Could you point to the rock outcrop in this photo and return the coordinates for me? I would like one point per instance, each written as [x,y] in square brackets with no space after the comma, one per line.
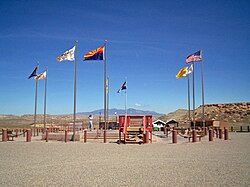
[231,112]
[234,113]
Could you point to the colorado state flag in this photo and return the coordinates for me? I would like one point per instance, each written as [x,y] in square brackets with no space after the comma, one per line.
[124,87]
[96,54]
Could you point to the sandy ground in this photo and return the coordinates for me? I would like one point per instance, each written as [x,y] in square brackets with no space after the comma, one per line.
[217,163]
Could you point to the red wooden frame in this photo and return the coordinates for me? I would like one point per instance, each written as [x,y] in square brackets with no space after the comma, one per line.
[132,121]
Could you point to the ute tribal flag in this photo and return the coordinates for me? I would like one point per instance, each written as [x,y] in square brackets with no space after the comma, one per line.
[41,76]
[184,72]
[96,54]
[68,55]
[34,73]
[196,57]
[124,87]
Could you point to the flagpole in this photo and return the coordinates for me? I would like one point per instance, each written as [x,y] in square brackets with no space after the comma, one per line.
[105,94]
[107,91]
[126,98]
[193,99]
[45,98]
[189,116]
[203,116]
[74,125]
[35,108]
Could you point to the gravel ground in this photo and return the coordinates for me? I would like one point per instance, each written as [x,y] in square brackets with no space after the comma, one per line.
[217,163]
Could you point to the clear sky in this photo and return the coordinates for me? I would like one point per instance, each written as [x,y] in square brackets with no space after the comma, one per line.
[148,41]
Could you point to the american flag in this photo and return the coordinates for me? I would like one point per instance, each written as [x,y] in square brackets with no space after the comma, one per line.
[196,57]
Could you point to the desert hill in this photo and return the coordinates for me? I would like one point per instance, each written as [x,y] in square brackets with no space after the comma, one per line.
[234,113]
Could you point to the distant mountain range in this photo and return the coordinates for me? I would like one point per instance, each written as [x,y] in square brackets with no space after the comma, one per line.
[113,111]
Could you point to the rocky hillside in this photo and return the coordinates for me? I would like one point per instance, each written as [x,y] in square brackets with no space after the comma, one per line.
[234,113]
[178,115]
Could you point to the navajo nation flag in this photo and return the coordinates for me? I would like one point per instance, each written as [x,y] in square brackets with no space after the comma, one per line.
[96,54]
[196,57]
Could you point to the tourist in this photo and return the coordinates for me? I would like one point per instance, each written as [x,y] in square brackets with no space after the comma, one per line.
[90,122]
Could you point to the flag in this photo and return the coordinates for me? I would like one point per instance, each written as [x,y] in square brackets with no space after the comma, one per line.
[190,69]
[196,57]
[96,54]
[182,73]
[41,76]
[124,87]
[107,86]
[68,55]
[34,73]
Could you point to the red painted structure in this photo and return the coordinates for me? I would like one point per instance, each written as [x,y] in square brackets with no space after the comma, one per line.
[66,136]
[225,134]
[142,123]
[211,134]
[4,135]
[104,136]
[28,137]
[174,136]
[194,135]
[220,133]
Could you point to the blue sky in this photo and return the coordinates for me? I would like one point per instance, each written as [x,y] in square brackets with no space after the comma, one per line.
[148,42]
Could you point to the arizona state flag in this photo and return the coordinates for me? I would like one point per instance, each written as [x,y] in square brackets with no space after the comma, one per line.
[96,54]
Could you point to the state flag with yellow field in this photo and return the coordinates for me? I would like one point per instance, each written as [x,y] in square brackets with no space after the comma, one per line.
[184,72]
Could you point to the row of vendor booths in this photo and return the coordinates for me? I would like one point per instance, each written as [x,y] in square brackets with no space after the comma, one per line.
[160,125]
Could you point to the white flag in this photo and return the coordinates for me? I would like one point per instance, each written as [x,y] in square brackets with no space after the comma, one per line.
[190,70]
[41,76]
[68,55]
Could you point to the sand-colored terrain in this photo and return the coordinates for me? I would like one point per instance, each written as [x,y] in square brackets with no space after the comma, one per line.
[217,163]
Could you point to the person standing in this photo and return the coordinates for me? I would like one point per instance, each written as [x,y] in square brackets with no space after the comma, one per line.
[90,122]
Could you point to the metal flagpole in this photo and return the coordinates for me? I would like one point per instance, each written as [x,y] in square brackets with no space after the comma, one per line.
[203,116]
[74,125]
[193,99]
[126,98]
[35,108]
[189,116]
[45,98]
[105,94]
